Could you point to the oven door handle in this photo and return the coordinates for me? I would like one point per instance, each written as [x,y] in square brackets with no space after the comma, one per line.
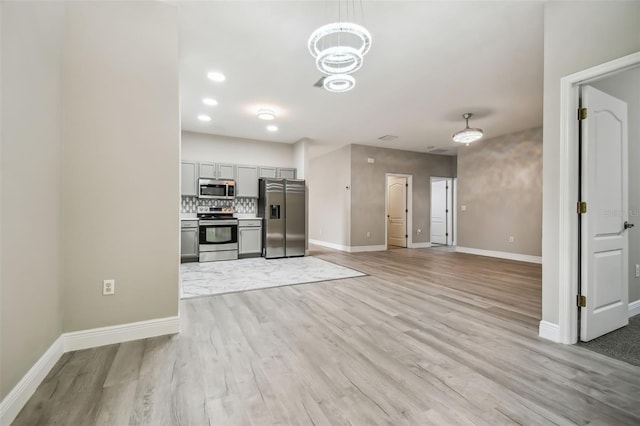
[218,222]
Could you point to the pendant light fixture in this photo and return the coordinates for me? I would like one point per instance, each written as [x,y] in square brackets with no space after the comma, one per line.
[339,49]
[468,134]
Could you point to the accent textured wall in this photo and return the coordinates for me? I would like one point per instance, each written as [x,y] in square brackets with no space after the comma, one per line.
[368,190]
[500,183]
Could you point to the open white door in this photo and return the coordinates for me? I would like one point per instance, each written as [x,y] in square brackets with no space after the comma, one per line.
[439,212]
[604,233]
[397,211]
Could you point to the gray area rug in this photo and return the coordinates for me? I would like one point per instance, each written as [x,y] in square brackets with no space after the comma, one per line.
[622,344]
[209,278]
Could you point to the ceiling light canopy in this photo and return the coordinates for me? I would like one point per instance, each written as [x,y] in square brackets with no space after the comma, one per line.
[266,114]
[339,49]
[204,117]
[209,101]
[216,76]
[468,134]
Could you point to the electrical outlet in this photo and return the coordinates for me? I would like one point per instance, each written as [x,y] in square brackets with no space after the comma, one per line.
[368,234]
[108,287]
[637,271]
[511,238]
[463,208]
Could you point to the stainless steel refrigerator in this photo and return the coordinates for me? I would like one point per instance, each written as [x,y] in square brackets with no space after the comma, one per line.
[282,206]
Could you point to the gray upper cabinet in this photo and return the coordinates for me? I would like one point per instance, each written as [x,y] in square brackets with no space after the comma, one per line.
[268,172]
[287,173]
[247,181]
[189,176]
[226,171]
[207,170]
[217,171]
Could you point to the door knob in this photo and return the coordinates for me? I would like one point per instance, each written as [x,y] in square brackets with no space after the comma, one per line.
[628,225]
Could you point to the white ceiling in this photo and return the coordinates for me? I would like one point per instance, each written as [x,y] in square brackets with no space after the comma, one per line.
[429,63]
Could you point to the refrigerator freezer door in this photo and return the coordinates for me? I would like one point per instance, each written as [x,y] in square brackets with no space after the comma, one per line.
[295,214]
[274,219]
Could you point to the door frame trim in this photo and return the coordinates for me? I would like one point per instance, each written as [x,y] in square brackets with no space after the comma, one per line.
[409,207]
[568,188]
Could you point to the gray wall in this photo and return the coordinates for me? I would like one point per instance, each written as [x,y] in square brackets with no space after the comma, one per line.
[329,199]
[626,86]
[75,185]
[368,183]
[121,163]
[607,30]
[500,183]
[30,313]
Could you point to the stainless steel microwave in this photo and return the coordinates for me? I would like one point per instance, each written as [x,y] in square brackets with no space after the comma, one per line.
[217,189]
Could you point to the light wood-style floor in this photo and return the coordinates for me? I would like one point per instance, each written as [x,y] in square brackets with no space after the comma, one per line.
[427,338]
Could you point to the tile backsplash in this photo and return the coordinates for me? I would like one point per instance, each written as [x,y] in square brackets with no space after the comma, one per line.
[242,205]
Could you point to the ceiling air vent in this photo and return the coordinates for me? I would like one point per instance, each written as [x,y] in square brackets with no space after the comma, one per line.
[387,138]
[438,151]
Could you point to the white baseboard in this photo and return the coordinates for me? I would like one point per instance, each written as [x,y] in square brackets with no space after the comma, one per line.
[20,394]
[634,308]
[359,249]
[348,249]
[95,337]
[84,339]
[549,331]
[329,245]
[500,254]
[420,245]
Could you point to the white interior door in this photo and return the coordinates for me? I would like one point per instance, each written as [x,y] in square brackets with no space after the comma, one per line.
[439,212]
[604,237]
[397,211]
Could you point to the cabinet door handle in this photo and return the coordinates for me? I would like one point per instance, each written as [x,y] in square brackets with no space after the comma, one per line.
[628,225]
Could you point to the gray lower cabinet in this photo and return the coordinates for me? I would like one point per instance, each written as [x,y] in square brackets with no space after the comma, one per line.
[249,238]
[188,241]
[247,181]
[189,178]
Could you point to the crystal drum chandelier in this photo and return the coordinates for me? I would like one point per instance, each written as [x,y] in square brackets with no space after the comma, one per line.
[468,134]
[339,49]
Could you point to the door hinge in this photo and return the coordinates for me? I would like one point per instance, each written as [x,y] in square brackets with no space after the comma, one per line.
[406,185]
[582,207]
[582,301]
[582,113]
[406,210]
[406,236]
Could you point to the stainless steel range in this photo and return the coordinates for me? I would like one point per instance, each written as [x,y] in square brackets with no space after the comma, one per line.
[218,232]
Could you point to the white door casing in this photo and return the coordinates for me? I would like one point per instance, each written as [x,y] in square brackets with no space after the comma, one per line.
[397,211]
[604,238]
[439,212]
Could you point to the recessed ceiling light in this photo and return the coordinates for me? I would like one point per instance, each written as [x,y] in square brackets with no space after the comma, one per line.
[209,101]
[266,114]
[216,76]
[272,128]
[204,117]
